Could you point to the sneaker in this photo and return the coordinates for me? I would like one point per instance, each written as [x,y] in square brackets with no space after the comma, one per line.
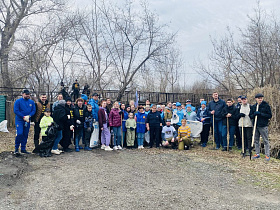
[103,146]
[115,148]
[119,147]
[267,158]
[25,152]
[256,156]
[80,147]
[77,149]
[139,147]
[142,147]
[55,152]
[87,149]
[16,153]
[107,148]
[60,151]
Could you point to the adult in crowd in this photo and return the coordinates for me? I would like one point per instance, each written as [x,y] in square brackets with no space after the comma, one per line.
[109,105]
[24,109]
[264,114]
[86,90]
[60,118]
[79,119]
[215,108]
[148,103]
[95,108]
[237,132]
[204,116]
[103,119]
[41,105]
[190,114]
[58,98]
[125,117]
[68,127]
[76,90]
[245,122]
[168,111]
[230,115]
[115,121]
[154,123]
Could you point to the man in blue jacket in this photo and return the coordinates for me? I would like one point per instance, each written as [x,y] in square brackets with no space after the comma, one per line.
[24,109]
[215,107]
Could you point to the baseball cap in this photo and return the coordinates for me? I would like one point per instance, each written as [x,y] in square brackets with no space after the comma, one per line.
[26,91]
[243,97]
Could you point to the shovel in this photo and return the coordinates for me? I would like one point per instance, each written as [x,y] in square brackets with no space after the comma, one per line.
[213,131]
[227,135]
[254,131]
[243,149]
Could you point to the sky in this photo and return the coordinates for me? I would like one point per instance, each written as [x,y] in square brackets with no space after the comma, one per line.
[196,20]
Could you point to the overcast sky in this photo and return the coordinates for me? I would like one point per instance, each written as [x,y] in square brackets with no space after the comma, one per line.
[197,20]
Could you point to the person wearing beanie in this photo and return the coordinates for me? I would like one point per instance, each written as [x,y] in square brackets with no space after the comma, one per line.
[203,115]
[68,127]
[79,119]
[190,114]
[178,113]
[85,98]
[263,116]
[24,109]
[215,108]
[60,117]
[95,108]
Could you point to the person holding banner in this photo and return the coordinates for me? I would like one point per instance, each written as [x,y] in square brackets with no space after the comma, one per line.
[263,114]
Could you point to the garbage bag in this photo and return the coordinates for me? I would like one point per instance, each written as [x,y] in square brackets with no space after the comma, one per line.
[3,126]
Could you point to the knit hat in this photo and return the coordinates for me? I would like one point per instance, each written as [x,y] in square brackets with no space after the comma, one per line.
[62,102]
[158,106]
[178,104]
[68,99]
[189,105]
[203,102]
[47,110]
[84,97]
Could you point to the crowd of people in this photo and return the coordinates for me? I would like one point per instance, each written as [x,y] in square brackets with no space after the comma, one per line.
[112,126]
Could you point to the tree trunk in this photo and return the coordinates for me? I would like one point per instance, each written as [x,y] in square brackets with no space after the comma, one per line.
[7,84]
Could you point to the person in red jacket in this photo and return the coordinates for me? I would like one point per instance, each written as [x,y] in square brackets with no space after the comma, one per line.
[115,121]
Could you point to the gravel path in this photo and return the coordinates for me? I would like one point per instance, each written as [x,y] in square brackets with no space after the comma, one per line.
[132,179]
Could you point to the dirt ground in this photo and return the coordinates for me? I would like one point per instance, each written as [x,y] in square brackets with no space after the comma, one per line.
[137,179]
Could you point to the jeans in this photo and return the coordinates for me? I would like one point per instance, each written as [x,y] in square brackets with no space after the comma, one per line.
[231,135]
[78,136]
[117,135]
[218,129]
[58,137]
[140,139]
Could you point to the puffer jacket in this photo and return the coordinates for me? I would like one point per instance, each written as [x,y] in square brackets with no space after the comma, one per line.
[141,122]
[265,115]
[115,118]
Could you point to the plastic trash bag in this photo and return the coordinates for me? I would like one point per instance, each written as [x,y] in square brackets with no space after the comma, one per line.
[3,126]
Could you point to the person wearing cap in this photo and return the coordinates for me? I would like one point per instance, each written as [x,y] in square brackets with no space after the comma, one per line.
[76,90]
[180,113]
[41,105]
[188,102]
[173,106]
[204,116]
[79,119]
[168,135]
[264,114]
[238,138]
[140,119]
[68,127]
[60,118]
[24,109]
[45,122]
[154,123]
[190,114]
[243,115]
[215,108]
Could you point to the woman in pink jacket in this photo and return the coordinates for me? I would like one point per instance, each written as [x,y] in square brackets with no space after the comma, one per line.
[115,121]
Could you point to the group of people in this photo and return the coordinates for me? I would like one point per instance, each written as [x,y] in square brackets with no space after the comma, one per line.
[115,125]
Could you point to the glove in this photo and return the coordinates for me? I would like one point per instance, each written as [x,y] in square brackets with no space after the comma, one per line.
[132,129]
[26,118]
[49,124]
[71,127]
[242,115]
[78,122]
[120,112]
[68,116]
[94,120]
[257,113]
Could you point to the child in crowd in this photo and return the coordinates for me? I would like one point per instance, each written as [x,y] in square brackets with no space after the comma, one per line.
[184,133]
[130,125]
[168,135]
[140,118]
[88,126]
[45,122]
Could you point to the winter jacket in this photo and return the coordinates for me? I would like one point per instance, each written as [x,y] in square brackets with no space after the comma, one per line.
[234,115]
[218,107]
[141,122]
[204,114]
[95,108]
[70,111]
[191,116]
[247,122]
[24,107]
[79,115]
[40,108]
[167,114]
[115,118]
[180,114]
[102,117]
[130,123]
[154,119]
[59,116]
[125,117]
[265,114]
[88,119]
[44,123]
